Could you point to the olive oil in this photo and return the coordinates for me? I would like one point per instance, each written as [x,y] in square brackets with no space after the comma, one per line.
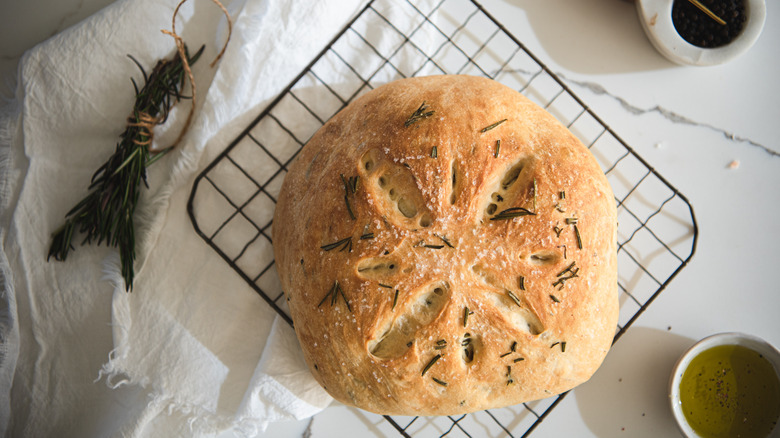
[730,391]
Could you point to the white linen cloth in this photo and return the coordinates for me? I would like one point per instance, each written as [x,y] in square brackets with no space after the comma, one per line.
[192,350]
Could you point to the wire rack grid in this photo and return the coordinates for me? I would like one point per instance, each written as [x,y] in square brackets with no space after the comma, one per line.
[232,201]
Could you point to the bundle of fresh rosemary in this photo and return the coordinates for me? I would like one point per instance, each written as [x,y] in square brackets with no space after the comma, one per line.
[105,215]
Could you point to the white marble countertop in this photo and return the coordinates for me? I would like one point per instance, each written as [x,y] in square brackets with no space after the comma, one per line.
[689,123]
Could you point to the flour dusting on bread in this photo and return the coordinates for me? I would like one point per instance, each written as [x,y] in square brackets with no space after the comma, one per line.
[447,246]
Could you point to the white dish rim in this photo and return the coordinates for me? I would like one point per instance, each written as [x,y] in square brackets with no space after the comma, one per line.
[656,19]
[729,338]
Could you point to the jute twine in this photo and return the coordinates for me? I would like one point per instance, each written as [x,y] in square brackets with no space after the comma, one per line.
[146,122]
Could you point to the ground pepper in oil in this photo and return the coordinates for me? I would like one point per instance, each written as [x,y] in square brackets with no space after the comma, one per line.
[730,391]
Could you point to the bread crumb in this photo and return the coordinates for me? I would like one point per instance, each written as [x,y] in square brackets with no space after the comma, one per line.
[734,164]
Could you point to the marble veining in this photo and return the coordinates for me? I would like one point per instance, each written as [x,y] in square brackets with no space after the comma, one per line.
[670,115]
[307,433]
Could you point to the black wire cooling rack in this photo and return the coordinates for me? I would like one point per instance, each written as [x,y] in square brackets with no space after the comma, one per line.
[232,201]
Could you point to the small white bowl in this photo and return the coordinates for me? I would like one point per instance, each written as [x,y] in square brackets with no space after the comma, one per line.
[754,343]
[656,19]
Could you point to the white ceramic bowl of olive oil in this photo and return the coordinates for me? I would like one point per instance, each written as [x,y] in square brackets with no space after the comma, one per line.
[657,21]
[727,385]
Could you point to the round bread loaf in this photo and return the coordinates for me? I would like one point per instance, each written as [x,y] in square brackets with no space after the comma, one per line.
[447,246]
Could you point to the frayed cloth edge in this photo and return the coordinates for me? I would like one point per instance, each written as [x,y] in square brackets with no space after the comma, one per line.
[199,420]
[10,121]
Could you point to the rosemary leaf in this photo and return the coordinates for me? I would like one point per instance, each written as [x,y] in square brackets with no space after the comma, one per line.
[341,291]
[579,239]
[568,269]
[511,213]
[350,187]
[440,382]
[419,114]
[334,245]
[106,214]
[349,208]
[367,236]
[335,294]
[489,127]
[554,298]
[353,183]
[498,148]
[444,239]
[330,292]
[466,313]
[514,298]
[430,364]
[564,251]
[561,280]
[434,152]
[346,184]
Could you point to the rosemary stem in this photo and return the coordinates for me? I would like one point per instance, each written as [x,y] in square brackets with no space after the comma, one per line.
[105,214]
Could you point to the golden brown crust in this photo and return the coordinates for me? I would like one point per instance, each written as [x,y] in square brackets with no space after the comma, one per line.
[425,300]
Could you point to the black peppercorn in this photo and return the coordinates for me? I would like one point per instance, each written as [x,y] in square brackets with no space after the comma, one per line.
[697,28]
